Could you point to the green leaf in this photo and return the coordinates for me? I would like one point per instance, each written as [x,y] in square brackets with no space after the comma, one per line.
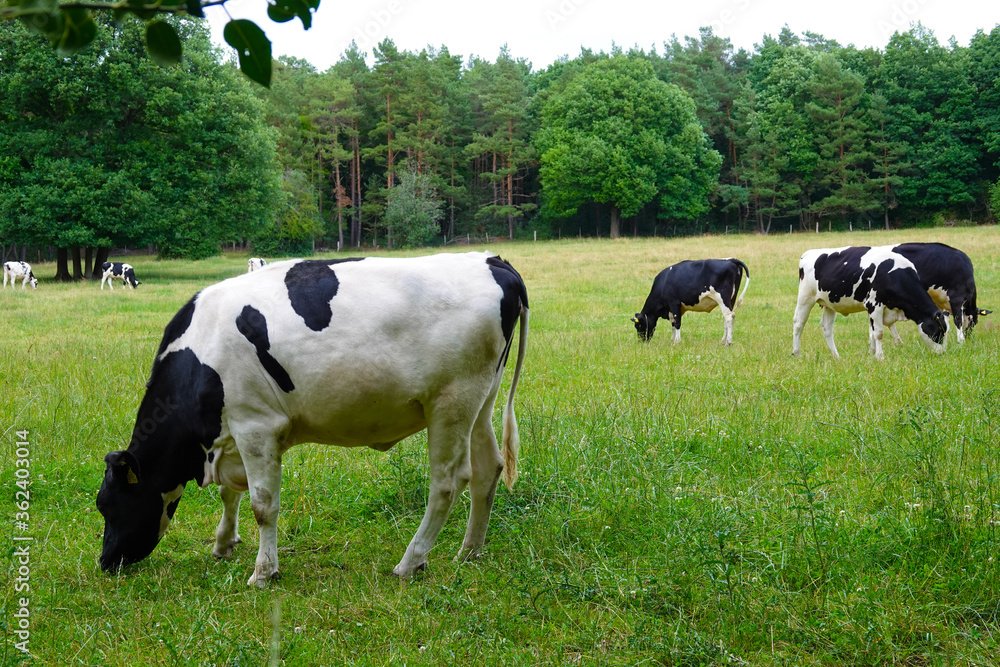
[163,44]
[39,16]
[43,23]
[78,30]
[285,10]
[253,48]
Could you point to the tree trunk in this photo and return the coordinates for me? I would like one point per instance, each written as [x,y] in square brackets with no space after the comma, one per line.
[615,222]
[77,265]
[886,219]
[510,205]
[340,208]
[99,259]
[88,266]
[62,266]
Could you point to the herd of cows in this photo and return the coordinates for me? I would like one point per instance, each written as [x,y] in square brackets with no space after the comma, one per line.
[111,271]
[923,282]
[366,352]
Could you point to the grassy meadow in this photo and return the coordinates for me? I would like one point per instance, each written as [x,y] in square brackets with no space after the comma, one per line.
[678,504]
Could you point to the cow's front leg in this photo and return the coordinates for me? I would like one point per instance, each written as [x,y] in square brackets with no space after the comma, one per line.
[448,448]
[675,324]
[226,535]
[875,321]
[262,463]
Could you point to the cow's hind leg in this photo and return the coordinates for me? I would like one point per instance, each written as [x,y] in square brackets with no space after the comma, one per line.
[802,310]
[486,468]
[448,434]
[728,317]
[262,462]
[826,324]
[226,535]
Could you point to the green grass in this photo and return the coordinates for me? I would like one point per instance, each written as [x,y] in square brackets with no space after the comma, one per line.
[678,505]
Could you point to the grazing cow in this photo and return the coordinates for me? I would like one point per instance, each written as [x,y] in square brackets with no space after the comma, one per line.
[946,274]
[361,352]
[255,263]
[878,280]
[695,285]
[118,271]
[19,271]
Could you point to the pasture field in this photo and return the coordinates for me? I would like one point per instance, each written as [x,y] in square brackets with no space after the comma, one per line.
[677,505]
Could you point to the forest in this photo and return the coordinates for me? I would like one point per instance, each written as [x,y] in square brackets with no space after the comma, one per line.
[395,148]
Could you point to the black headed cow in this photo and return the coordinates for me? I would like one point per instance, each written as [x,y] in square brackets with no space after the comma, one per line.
[343,352]
[118,271]
[874,279]
[946,273]
[693,285]
[19,271]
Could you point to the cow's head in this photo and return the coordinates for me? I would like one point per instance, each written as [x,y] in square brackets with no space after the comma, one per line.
[644,325]
[33,281]
[972,319]
[135,513]
[934,329]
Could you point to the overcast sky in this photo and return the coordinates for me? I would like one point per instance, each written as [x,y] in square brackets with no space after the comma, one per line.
[541,31]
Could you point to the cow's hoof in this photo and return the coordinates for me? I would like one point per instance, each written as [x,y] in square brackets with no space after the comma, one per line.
[467,554]
[262,580]
[401,572]
[225,549]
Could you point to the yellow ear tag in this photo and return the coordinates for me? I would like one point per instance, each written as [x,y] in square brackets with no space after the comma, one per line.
[132,479]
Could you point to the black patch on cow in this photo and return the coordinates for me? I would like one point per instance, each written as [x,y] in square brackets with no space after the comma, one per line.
[177,326]
[179,417]
[252,324]
[866,283]
[312,284]
[514,294]
[837,273]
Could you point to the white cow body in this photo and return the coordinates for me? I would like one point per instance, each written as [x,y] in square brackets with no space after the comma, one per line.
[404,345]
[118,271]
[19,271]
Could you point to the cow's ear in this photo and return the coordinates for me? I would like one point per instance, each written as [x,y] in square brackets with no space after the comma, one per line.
[123,466]
[984,312]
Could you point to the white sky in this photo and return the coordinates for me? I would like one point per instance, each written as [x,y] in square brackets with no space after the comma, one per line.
[543,30]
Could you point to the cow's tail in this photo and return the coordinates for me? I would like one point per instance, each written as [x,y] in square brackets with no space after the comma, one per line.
[739,300]
[511,442]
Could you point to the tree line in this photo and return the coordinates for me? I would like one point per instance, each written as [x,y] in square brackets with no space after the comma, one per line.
[105,148]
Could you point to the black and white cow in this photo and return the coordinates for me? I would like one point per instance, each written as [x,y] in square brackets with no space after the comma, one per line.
[361,352]
[874,279]
[693,285]
[946,273]
[255,263]
[118,271]
[19,271]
